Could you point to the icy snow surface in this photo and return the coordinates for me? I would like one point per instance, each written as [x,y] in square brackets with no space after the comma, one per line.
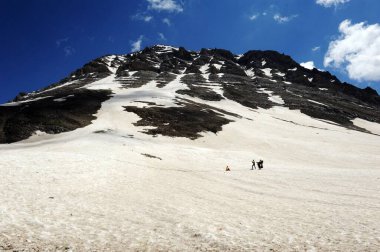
[218,66]
[317,102]
[10,104]
[250,73]
[88,191]
[267,72]
[274,98]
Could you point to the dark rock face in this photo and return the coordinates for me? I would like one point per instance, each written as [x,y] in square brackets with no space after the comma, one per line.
[20,96]
[96,69]
[219,54]
[183,54]
[273,60]
[73,111]
[245,79]
[189,120]
[198,88]
[245,91]
[164,78]
[320,79]
[95,66]
[139,79]
[231,68]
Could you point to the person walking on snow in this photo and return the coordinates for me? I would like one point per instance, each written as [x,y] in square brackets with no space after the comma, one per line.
[253,164]
[260,164]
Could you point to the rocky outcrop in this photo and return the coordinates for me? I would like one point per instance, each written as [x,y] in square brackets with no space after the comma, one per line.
[188,120]
[63,113]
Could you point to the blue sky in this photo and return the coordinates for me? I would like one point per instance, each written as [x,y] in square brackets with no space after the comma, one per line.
[42,41]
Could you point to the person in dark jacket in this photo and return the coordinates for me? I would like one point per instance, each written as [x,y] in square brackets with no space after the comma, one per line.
[253,165]
[260,164]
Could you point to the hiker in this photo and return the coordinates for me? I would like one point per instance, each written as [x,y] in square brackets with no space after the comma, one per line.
[227,168]
[253,165]
[260,164]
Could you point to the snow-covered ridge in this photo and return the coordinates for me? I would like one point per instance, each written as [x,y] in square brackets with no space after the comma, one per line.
[212,75]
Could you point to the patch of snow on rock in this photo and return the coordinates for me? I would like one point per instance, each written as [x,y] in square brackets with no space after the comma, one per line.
[217,66]
[250,73]
[204,68]
[267,72]
[273,98]
[11,104]
[317,102]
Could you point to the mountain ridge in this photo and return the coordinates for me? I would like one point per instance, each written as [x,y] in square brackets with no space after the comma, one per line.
[251,79]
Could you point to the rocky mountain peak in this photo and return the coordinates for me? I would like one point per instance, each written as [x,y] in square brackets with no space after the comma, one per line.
[191,81]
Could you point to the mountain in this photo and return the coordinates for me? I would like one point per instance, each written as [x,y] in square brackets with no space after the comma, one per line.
[256,79]
[129,153]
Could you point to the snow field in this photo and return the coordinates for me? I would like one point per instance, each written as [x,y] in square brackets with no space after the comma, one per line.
[85,191]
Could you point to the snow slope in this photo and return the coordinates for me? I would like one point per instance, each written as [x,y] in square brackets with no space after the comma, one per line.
[110,187]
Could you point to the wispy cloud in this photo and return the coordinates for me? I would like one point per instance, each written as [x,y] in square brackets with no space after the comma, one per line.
[167,21]
[161,36]
[254,17]
[142,17]
[136,45]
[165,5]
[272,12]
[68,50]
[329,3]
[61,41]
[283,19]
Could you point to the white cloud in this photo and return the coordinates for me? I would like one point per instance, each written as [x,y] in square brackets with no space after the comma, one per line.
[167,21]
[148,18]
[329,3]
[357,50]
[283,19]
[136,45]
[254,17]
[308,65]
[165,5]
[145,18]
[161,36]
[317,48]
